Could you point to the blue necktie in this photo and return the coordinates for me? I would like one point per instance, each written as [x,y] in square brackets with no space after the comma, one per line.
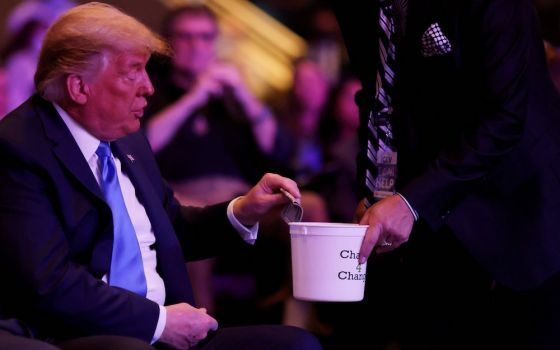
[127,270]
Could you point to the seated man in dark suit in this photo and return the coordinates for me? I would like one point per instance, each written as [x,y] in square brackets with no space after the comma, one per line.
[92,241]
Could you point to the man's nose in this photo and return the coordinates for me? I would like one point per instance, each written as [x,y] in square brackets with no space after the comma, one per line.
[147,87]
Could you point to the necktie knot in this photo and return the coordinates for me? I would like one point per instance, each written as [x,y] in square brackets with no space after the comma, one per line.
[104,150]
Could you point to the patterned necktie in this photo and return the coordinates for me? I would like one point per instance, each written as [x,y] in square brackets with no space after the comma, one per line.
[381,170]
[127,270]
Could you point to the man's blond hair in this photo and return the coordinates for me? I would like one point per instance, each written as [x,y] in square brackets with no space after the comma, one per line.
[78,41]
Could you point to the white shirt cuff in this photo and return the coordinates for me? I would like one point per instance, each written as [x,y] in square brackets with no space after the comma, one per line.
[414,212]
[248,234]
[160,323]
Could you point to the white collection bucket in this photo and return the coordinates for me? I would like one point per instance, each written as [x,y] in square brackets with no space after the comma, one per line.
[325,261]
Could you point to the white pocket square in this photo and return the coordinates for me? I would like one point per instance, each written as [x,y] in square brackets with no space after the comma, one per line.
[434,42]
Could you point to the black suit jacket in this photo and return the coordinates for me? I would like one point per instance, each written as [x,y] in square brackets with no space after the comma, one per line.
[56,232]
[477,130]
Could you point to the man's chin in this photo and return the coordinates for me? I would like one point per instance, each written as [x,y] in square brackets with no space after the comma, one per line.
[134,127]
[130,128]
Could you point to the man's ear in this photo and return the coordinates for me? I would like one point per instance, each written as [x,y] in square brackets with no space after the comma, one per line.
[77,88]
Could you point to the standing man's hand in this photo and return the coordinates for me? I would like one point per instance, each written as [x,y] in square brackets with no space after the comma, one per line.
[264,196]
[186,325]
[390,223]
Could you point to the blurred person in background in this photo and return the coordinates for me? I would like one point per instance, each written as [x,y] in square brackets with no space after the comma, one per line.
[337,180]
[26,26]
[213,138]
[324,42]
[304,109]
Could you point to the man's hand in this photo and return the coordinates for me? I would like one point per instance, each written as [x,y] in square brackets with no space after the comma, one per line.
[207,86]
[229,78]
[186,325]
[389,220]
[217,77]
[264,196]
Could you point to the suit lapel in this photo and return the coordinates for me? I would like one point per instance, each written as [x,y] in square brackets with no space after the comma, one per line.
[71,158]
[143,187]
[65,147]
[168,249]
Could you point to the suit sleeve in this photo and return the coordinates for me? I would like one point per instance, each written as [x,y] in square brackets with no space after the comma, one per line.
[204,232]
[496,54]
[201,232]
[47,287]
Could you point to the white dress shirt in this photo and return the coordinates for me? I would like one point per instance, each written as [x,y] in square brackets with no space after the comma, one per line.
[88,144]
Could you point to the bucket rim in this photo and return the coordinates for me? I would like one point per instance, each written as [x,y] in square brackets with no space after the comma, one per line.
[326,229]
[326,224]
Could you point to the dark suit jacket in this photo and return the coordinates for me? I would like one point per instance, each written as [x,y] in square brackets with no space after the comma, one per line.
[477,130]
[56,232]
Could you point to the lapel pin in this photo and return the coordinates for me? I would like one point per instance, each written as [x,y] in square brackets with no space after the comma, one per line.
[130,157]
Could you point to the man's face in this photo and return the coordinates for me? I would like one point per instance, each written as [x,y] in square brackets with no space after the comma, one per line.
[310,85]
[117,96]
[193,39]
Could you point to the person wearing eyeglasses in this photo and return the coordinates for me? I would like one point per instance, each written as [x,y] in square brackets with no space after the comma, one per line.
[202,103]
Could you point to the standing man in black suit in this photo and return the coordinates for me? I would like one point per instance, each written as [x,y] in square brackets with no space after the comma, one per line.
[474,129]
[78,180]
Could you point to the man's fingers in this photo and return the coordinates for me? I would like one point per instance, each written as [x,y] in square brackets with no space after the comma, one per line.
[370,240]
[381,248]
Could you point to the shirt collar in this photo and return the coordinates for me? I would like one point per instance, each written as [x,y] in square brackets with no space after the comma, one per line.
[87,143]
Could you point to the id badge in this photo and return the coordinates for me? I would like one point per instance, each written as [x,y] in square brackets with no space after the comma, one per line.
[386,174]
